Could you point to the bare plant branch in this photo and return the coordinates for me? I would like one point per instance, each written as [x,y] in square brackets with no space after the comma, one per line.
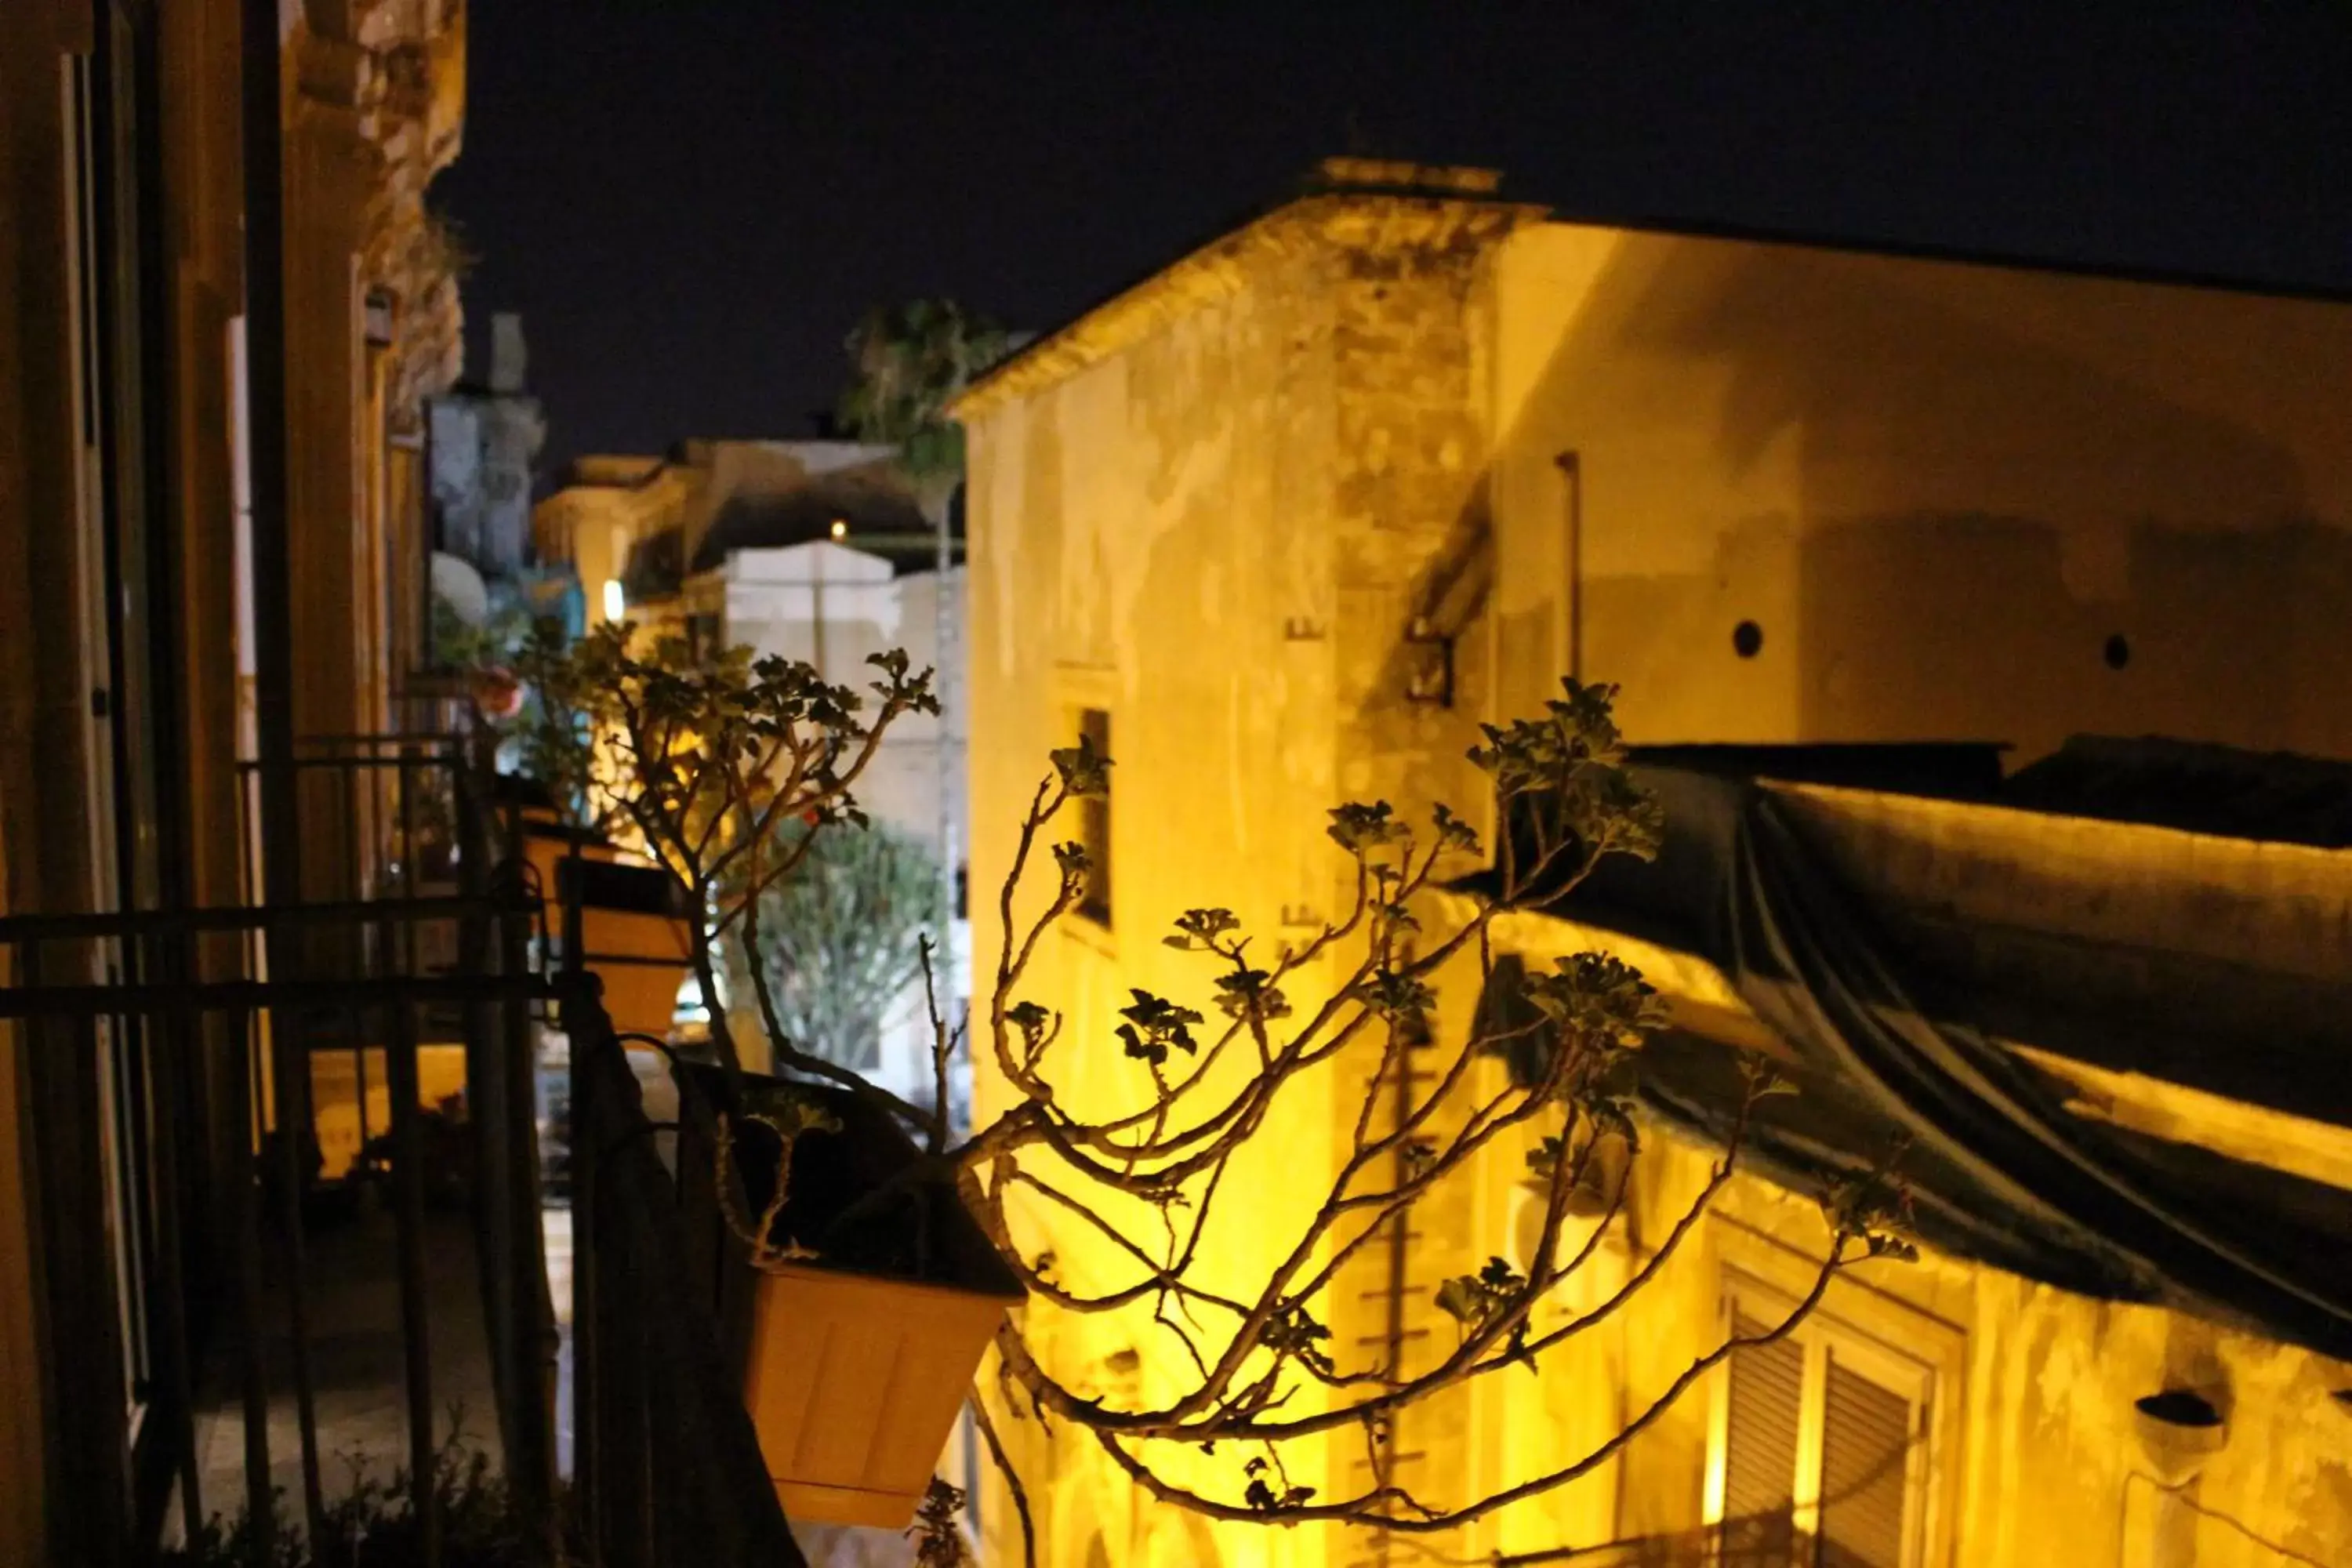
[711,766]
[1012,1477]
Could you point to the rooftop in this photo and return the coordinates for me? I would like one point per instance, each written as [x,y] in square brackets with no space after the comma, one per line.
[1121,316]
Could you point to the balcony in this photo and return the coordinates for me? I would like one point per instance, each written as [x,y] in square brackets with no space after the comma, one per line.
[320,1220]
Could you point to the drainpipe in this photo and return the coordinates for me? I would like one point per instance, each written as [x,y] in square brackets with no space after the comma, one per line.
[942,634]
[1571,468]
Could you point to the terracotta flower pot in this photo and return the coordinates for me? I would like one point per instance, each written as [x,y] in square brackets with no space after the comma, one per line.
[857,1363]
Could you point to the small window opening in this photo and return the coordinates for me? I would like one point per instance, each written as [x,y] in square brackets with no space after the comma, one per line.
[1094,824]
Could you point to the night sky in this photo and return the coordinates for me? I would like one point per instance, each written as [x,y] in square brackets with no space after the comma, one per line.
[692,201]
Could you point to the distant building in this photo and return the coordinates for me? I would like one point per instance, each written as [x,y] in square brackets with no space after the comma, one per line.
[484,442]
[1286,521]
[814,551]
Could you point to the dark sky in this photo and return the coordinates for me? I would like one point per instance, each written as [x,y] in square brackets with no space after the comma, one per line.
[691,201]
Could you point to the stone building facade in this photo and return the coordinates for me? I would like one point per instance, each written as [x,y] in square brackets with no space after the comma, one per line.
[126,669]
[1289,520]
[484,440]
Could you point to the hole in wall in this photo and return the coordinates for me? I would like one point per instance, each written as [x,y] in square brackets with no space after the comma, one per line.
[2117,652]
[1747,639]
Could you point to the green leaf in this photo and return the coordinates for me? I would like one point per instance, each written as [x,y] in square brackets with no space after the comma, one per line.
[1360,828]
[1461,1300]
[1084,771]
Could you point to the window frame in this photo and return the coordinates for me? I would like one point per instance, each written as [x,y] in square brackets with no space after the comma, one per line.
[1077,689]
[1098,826]
[1898,1346]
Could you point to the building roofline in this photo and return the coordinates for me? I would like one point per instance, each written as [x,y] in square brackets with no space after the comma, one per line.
[1204,270]
[1961,256]
[1121,316]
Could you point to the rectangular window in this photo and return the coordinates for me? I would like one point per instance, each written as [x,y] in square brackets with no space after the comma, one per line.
[1094,824]
[703,637]
[1760,1448]
[1821,1445]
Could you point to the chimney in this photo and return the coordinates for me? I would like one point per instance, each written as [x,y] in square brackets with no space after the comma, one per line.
[506,351]
[1390,176]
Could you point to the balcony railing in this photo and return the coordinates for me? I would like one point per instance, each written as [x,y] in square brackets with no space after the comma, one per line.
[668,1467]
[178,1049]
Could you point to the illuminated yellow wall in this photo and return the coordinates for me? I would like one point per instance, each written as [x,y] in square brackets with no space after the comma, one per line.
[2031,1450]
[1937,489]
[1215,507]
[1213,537]
[2036,1462]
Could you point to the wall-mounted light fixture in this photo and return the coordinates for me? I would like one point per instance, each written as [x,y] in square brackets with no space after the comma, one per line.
[840,529]
[2178,1430]
[616,600]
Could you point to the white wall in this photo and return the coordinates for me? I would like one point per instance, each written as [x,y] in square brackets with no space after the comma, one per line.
[833,606]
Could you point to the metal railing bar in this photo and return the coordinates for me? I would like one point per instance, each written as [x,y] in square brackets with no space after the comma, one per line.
[288,1058]
[381,737]
[531,1440]
[579,1012]
[215,996]
[129,923]
[176,1065]
[252,1322]
[408,1214]
[369,760]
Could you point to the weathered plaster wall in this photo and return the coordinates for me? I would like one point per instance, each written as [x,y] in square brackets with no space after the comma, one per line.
[2048,1463]
[1222,534]
[835,607]
[2033,1454]
[1937,489]
[1153,536]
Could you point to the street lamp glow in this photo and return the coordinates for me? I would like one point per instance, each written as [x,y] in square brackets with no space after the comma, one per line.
[616,604]
[840,529]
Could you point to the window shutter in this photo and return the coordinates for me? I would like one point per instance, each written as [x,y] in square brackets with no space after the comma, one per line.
[1761,1449]
[1865,1442]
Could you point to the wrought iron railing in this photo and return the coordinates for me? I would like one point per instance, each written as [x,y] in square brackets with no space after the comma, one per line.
[179,1046]
[668,1468]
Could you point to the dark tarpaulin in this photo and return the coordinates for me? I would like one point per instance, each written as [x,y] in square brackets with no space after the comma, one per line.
[1998,1170]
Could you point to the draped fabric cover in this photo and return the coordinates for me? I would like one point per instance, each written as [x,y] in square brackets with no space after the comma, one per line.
[1996,1168]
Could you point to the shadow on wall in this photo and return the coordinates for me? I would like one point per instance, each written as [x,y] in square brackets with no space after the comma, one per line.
[1965,628]
[1927,525]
